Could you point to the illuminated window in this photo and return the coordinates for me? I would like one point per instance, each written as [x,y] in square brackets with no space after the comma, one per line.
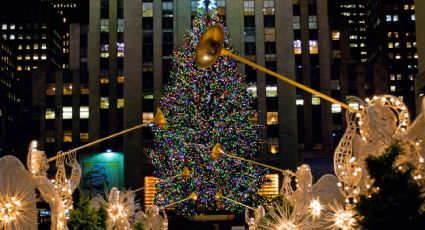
[50,136]
[314,49]
[12,37]
[120,103]
[297,47]
[67,89]
[336,108]
[147,9]
[335,35]
[35,46]
[104,103]
[19,57]
[413,17]
[104,55]
[84,137]
[392,77]
[248,7]
[67,112]
[43,46]
[406,7]
[408,44]
[67,136]
[19,68]
[50,114]
[299,101]
[268,7]
[35,57]
[27,57]
[50,89]
[271,91]
[104,25]
[390,45]
[120,79]
[395,18]
[397,44]
[312,22]
[273,146]
[147,117]
[412,7]
[272,118]
[84,112]
[43,57]
[269,34]
[296,22]
[392,88]
[104,81]
[315,100]
[388,18]
[19,47]
[398,56]
[84,89]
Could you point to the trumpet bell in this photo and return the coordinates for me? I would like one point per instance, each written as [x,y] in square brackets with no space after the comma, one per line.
[159,118]
[217,152]
[209,46]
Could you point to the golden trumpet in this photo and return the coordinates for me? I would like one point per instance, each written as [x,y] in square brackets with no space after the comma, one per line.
[210,47]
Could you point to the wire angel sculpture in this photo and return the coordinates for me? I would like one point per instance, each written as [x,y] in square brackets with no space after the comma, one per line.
[17,196]
[254,219]
[152,219]
[121,209]
[379,122]
[57,192]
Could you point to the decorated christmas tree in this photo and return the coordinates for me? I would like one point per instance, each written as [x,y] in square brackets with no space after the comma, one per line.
[204,107]
[397,200]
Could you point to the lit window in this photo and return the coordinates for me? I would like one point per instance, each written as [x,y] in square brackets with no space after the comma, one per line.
[390,45]
[413,17]
[67,112]
[19,68]
[147,9]
[273,145]
[147,117]
[67,89]
[314,49]
[104,25]
[35,46]
[120,103]
[84,89]
[395,18]
[104,103]
[389,34]
[335,35]
[268,7]
[312,22]
[297,47]
[408,44]
[336,108]
[299,101]
[269,34]
[392,77]
[315,100]
[104,55]
[392,88]
[27,57]
[406,7]
[43,57]
[388,18]
[4,26]
[84,112]
[120,79]
[84,137]
[248,7]
[43,46]
[50,89]
[398,77]
[67,136]
[104,81]
[397,56]
[397,44]
[272,118]
[12,26]
[19,47]
[12,37]
[35,57]
[50,114]
[296,22]
[412,7]
[19,57]
[271,91]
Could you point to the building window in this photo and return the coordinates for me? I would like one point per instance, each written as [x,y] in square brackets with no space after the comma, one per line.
[147,117]
[50,136]
[248,7]
[104,103]
[67,112]
[273,146]
[120,79]
[395,18]
[67,136]
[297,47]
[336,108]
[84,89]
[120,27]
[43,46]
[252,89]
[335,35]
[299,101]
[147,9]
[392,88]
[314,48]
[296,22]
[269,34]
[272,118]
[312,22]
[388,18]
[315,100]
[50,89]
[84,137]
[50,114]
[271,91]
[67,89]
[104,25]
[120,103]
[413,17]
[84,112]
